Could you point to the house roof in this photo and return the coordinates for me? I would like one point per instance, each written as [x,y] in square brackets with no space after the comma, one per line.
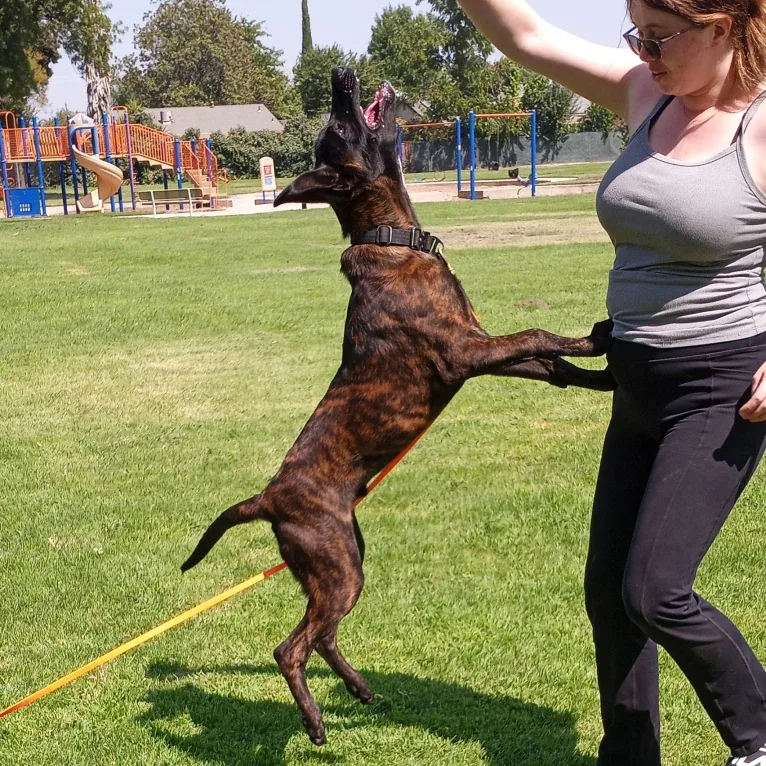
[208,119]
[580,105]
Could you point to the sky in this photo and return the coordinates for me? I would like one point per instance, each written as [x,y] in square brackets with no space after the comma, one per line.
[345,22]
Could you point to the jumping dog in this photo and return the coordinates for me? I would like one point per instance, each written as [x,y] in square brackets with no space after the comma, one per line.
[411,340]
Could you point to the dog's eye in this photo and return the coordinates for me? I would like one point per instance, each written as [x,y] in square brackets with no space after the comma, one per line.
[340,129]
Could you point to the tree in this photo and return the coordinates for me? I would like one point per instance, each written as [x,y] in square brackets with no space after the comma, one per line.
[466,51]
[598,119]
[308,43]
[313,81]
[31,32]
[553,102]
[196,52]
[496,88]
[407,50]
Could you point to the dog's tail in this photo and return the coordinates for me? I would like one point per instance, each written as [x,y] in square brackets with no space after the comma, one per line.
[241,513]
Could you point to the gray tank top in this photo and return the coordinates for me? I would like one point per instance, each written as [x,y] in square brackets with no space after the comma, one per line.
[689,243]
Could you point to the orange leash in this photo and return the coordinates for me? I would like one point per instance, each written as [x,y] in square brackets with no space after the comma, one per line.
[189,614]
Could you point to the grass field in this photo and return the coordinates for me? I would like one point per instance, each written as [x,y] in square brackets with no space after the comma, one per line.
[153,372]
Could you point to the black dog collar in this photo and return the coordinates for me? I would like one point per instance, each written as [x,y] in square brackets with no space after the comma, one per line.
[416,239]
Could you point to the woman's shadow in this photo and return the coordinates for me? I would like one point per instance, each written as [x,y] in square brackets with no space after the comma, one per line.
[230,731]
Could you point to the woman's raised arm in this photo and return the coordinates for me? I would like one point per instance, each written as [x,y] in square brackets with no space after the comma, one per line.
[598,73]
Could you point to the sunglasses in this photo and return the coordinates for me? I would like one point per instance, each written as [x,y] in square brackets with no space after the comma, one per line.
[652,46]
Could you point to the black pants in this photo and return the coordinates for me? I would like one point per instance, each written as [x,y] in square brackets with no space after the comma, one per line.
[676,458]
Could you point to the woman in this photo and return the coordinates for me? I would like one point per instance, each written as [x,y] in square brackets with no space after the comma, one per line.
[685,206]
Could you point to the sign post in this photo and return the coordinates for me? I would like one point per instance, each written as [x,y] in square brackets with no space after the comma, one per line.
[268,178]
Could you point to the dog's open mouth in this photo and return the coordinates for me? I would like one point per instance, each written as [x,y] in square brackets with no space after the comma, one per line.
[375,112]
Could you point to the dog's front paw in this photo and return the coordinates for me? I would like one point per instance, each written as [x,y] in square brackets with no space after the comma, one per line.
[601,337]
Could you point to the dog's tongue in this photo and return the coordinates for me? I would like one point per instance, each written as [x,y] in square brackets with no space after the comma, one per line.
[373,113]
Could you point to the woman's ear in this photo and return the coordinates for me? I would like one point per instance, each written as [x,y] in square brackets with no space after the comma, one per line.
[721,29]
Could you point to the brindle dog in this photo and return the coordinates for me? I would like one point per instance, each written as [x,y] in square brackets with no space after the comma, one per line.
[411,341]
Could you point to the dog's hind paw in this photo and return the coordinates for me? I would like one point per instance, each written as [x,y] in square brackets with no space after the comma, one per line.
[317,735]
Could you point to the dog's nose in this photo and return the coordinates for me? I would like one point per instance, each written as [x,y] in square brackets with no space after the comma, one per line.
[348,80]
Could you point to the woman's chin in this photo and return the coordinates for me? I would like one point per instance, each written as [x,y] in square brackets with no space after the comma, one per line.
[664,82]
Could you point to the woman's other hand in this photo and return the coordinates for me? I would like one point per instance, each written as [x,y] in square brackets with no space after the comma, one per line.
[754,409]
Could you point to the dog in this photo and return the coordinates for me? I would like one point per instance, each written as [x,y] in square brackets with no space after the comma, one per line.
[411,341]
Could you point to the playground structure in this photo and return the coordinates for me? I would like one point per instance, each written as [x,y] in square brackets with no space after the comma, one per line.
[94,148]
[405,153]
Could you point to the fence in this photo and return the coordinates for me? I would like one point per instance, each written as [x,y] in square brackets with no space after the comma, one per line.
[438,156]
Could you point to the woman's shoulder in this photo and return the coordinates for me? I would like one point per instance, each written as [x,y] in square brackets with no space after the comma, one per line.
[754,142]
[643,96]
[757,118]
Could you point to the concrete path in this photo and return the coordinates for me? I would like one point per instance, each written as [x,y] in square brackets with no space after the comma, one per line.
[245,204]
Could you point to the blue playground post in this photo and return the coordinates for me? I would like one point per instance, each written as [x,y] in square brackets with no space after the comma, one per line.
[533,171]
[39,157]
[209,145]
[209,155]
[165,184]
[459,142]
[84,174]
[472,151]
[209,171]
[70,134]
[131,174]
[107,152]
[62,172]
[119,191]
[179,173]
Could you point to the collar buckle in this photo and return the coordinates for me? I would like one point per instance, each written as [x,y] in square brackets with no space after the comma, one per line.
[388,231]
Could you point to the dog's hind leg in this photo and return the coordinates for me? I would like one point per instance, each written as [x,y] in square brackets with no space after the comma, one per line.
[328,649]
[328,564]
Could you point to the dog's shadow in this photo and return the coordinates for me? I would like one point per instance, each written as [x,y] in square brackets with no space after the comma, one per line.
[228,730]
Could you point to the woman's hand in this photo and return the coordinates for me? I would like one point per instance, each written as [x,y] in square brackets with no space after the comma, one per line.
[754,409]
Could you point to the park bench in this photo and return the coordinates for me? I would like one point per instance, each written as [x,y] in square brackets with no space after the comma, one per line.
[190,196]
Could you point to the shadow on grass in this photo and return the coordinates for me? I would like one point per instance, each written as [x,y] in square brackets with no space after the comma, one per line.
[230,731]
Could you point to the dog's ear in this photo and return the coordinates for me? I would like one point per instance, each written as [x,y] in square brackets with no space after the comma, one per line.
[315,186]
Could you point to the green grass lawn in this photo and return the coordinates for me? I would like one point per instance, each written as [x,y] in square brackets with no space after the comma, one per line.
[153,372]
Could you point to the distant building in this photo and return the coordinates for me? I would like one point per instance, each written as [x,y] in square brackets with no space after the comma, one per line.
[579,108]
[209,119]
[411,112]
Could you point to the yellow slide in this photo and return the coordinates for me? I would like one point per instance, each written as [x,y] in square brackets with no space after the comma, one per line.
[109,179]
